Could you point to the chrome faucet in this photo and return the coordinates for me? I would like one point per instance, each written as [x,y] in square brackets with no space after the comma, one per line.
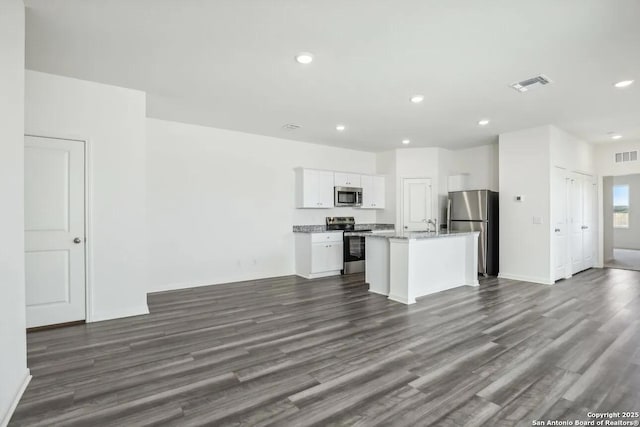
[433,222]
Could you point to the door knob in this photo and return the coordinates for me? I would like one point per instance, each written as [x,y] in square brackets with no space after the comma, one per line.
[77,240]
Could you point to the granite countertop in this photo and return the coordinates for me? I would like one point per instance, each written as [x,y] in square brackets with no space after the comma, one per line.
[323,228]
[417,235]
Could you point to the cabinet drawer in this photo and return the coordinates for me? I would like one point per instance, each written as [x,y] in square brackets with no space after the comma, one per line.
[326,237]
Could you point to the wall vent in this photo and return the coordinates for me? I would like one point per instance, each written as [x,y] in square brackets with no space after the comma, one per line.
[525,85]
[626,156]
[291,126]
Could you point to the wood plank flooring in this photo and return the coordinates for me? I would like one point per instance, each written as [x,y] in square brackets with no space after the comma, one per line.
[294,352]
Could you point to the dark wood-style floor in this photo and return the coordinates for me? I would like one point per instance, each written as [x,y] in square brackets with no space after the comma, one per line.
[293,352]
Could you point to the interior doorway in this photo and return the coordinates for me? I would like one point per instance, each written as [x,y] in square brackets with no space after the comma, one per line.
[54,219]
[416,204]
[621,196]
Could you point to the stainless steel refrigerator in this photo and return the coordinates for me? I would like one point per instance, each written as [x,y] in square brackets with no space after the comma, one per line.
[477,210]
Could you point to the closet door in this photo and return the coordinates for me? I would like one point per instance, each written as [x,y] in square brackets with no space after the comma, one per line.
[576,197]
[560,230]
[588,222]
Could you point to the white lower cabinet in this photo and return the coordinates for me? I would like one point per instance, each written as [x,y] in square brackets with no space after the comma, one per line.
[318,254]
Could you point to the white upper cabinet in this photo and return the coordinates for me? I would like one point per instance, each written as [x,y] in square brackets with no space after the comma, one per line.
[346,179]
[373,191]
[314,188]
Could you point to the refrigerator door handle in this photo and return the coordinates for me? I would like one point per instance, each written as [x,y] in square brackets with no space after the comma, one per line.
[448,215]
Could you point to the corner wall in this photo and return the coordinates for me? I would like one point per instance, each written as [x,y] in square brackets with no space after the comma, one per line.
[221,203]
[14,374]
[112,120]
[525,171]
[606,166]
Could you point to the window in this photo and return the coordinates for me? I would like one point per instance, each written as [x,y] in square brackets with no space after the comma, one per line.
[621,206]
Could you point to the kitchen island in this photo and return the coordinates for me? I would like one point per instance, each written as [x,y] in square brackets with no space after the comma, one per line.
[405,266]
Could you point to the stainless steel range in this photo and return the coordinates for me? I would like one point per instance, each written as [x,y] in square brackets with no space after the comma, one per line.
[354,250]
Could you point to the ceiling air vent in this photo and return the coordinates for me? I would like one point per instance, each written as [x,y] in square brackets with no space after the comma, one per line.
[626,156]
[291,126]
[525,85]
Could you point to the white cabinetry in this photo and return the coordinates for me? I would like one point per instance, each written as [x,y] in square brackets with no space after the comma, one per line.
[373,191]
[318,254]
[314,188]
[346,179]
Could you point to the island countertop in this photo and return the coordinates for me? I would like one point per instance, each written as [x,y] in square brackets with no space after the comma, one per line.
[411,235]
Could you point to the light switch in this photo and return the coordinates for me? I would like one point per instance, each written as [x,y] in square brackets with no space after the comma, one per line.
[537,220]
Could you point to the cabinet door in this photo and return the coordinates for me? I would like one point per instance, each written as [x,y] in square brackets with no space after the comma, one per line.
[317,189]
[319,260]
[373,191]
[368,192]
[325,189]
[346,179]
[326,257]
[334,256]
[310,185]
[379,192]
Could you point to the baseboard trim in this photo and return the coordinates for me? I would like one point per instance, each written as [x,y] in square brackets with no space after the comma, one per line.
[16,399]
[531,279]
[118,314]
[378,293]
[401,300]
[319,275]
[168,287]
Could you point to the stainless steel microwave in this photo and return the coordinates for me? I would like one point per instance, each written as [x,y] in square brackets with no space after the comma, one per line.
[348,196]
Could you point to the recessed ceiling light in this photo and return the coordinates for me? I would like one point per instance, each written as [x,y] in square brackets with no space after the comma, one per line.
[616,136]
[483,122]
[417,99]
[304,58]
[406,141]
[340,128]
[623,84]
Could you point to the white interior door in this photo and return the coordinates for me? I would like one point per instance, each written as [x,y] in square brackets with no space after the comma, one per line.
[54,230]
[588,232]
[559,223]
[416,203]
[576,222]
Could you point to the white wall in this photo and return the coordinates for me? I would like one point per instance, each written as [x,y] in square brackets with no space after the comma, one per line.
[480,163]
[113,121]
[605,160]
[524,170]
[386,165]
[13,350]
[527,158]
[418,163]
[606,166]
[221,203]
[607,216]
[571,153]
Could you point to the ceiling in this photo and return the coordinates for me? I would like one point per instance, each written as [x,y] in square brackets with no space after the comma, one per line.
[230,64]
